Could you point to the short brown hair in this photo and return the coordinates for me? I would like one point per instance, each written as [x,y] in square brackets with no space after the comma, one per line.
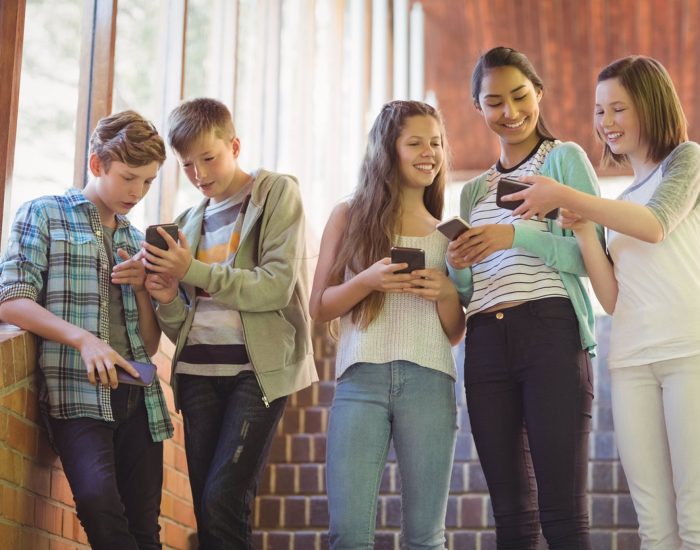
[126,137]
[662,123]
[194,118]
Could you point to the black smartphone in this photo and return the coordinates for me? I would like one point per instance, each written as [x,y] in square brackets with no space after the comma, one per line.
[506,186]
[146,370]
[414,257]
[453,227]
[156,239]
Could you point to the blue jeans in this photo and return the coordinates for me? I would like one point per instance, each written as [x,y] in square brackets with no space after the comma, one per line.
[374,404]
[115,471]
[228,432]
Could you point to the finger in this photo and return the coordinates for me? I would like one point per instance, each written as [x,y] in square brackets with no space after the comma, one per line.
[124,364]
[123,254]
[102,373]
[111,374]
[393,268]
[91,373]
[167,238]
[183,240]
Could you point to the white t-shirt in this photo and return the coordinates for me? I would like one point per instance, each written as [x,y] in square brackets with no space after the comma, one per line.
[657,314]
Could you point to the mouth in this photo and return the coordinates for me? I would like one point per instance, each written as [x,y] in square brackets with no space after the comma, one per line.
[426,168]
[613,137]
[515,125]
[128,205]
[205,186]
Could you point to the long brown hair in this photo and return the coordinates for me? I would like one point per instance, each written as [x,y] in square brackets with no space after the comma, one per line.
[500,56]
[662,123]
[375,209]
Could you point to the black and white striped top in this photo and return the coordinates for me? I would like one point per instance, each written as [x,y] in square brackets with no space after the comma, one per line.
[511,275]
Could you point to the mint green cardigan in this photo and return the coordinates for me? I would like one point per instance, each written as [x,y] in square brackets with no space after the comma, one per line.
[568,164]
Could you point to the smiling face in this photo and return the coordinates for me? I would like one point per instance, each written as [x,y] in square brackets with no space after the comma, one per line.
[419,150]
[509,103]
[211,165]
[617,121]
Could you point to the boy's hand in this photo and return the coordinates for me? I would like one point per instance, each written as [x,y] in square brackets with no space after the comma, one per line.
[174,261]
[162,287]
[129,272]
[101,361]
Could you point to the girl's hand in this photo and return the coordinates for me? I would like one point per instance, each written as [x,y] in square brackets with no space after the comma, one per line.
[381,276]
[478,243]
[432,285]
[162,287]
[571,220]
[174,261]
[541,197]
[130,271]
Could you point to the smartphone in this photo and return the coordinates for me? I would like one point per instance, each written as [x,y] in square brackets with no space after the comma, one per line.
[414,257]
[506,186]
[156,239]
[146,370]
[453,227]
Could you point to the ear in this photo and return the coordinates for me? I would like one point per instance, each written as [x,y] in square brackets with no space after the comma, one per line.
[236,147]
[540,93]
[95,165]
[477,105]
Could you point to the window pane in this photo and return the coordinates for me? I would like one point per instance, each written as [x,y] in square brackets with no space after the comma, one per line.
[48,100]
[138,75]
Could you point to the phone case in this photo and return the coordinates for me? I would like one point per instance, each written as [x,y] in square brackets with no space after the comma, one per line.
[414,257]
[156,239]
[506,186]
[453,227]
[146,370]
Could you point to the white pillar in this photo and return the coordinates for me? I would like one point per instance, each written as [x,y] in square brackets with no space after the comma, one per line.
[417,53]
[378,84]
[400,84]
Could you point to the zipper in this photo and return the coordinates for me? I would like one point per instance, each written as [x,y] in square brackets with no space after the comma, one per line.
[255,372]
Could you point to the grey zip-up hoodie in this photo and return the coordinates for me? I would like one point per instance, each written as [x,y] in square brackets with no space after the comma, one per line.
[267,283]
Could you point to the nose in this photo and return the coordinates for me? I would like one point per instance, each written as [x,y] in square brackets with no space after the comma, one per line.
[607,118]
[510,110]
[199,172]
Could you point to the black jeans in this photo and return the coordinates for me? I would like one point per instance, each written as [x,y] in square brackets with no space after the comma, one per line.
[115,471]
[529,394]
[228,432]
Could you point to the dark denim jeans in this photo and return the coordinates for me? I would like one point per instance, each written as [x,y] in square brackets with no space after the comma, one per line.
[115,471]
[228,432]
[529,394]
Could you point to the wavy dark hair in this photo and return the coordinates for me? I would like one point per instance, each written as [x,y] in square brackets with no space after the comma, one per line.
[662,122]
[374,215]
[501,56]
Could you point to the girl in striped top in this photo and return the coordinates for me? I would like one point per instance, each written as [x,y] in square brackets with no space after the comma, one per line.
[530,323]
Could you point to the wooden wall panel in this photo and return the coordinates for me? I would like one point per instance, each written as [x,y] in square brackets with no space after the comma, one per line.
[568,41]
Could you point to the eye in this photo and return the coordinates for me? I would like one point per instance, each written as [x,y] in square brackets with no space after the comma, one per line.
[520,98]
[128,178]
[599,113]
[619,109]
[494,104]
[186,165]
[209,158]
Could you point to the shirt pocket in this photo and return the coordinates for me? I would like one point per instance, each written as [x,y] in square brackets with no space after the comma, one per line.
[74,261]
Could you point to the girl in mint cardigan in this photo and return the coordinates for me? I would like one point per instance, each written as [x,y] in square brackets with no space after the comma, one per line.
[529,322]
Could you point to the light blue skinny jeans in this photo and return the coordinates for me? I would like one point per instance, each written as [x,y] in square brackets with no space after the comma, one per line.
[374,404]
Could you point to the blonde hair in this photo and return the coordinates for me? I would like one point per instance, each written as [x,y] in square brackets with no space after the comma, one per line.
[662,123]
[374,210]
[126,137]
[195,118]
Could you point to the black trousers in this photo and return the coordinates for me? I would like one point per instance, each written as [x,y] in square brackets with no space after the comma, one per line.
[529,394]
[115,471]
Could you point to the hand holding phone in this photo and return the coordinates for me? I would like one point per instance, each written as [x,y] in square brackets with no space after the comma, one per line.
[157,240]
[507,186]
[453,227]
[146,370]
[414,257]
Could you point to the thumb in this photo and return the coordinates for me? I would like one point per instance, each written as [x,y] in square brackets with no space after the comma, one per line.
[123,254]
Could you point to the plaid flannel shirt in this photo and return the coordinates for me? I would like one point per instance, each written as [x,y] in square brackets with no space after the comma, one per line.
[56,257]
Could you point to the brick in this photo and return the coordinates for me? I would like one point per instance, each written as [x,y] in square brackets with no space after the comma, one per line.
[600,477]
[386,541]
[34,541]
[472,512]
[326,390]
[602,507]
[279,541]
[60,490]
[11,465]
[319,447]
[17,505]
[291,422]
[305,540]
[477,480]
[48,516]
[463,448]
[628,541]
[175,536]
[278,450]
[487,540]
[602,540]
[458,482]
[32,409]
[301,448]
[311,481]
[318,512]
[388,482]
[183,513]
[10,535]
[22,435]
[391,516]
[603,447]
[15,401]
[268,511]
[315,420]
[462,540]
[37,478]
[622,485]
[305,397]
[452,515]
[296,512]
[286,479]
[626,516]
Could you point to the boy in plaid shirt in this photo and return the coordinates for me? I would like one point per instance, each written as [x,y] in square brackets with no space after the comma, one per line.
[72,275]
